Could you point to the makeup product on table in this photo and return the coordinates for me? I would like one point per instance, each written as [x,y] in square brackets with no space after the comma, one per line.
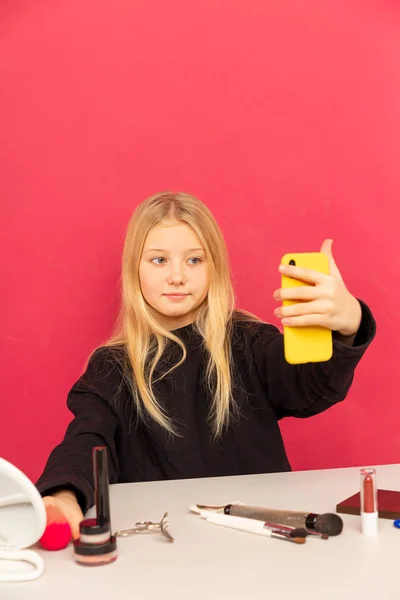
[292,531]
[388,504]
[148,526]
[93,533]
[101,492]
[329,523]
[304,532]
[369,509]
[95,554]
[251,526]
[96,545]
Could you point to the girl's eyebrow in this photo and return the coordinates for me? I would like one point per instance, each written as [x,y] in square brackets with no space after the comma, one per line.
[163,250]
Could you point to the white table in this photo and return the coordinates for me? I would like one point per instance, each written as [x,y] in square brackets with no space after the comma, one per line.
[211,562]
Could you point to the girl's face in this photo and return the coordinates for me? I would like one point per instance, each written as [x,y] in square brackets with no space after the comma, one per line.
[173,273]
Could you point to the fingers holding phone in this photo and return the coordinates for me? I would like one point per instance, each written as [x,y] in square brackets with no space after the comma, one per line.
[315,302]
[302,294]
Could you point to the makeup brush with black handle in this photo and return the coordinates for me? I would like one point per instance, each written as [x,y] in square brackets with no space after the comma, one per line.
[328,523]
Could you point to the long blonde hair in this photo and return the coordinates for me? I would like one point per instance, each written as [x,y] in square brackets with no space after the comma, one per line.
[145,340]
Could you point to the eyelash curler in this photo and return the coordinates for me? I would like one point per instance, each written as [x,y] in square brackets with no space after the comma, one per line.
[146,527]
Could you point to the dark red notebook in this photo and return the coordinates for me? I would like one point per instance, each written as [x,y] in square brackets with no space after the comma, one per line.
[388,505]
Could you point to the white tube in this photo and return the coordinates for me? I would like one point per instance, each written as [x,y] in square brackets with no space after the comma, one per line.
[240,523]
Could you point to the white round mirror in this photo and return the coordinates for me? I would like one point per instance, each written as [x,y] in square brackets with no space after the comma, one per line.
[22,523]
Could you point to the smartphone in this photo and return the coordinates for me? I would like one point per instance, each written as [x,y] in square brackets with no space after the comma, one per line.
[312,343]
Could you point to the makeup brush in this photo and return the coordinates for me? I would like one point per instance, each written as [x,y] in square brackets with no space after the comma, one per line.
[301,531]
[328,524]
[251,526]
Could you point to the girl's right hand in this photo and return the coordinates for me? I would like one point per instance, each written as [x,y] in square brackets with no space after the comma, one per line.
[65,501]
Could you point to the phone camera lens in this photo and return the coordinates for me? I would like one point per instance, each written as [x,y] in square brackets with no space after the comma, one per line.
[292,262]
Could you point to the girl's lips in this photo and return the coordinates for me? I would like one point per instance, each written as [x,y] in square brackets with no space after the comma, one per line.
[176,296]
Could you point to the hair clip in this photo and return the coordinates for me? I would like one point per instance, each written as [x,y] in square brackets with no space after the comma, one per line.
[148,526]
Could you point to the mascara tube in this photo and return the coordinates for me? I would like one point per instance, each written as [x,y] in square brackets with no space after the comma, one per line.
[100,474]
[96,545]
[369,502]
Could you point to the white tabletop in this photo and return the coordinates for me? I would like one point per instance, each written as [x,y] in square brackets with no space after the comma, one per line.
[211,562]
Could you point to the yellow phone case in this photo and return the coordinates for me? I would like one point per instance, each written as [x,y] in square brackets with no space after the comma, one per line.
[306,344]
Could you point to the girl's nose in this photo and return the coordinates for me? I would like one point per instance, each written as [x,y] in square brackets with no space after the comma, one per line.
[176,276]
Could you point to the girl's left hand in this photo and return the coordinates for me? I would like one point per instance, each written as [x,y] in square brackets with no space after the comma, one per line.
[326,302]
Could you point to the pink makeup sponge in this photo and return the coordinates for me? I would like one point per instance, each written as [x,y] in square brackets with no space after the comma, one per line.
[57,534]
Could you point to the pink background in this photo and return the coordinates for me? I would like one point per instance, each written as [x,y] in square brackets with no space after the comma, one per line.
[282,116]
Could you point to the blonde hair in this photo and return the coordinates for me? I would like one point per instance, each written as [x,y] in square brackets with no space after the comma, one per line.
[142,336]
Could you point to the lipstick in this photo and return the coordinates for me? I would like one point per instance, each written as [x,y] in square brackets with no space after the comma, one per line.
[369,502]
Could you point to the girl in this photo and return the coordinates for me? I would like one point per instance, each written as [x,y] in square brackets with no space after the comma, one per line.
[189,386]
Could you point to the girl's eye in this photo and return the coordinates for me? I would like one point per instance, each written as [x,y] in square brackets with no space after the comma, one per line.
[157,259]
